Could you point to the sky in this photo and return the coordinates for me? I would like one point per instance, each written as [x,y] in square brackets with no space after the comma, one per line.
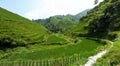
[40,9]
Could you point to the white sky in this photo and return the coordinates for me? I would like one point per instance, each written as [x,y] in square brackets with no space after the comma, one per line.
[38,9]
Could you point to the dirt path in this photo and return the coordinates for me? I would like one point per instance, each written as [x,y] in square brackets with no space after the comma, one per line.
[93,59]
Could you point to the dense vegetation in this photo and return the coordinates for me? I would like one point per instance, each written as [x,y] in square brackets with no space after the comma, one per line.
[99,22]
[61,23]
[58,24]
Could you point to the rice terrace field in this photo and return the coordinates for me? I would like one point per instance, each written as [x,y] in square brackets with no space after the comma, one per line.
[53,55]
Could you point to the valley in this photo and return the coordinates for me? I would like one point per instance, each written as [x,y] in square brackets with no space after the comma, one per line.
[89,38]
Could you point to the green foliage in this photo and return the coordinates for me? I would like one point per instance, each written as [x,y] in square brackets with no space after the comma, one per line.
[58,24]
[100,21]
[107,22]
[9,42]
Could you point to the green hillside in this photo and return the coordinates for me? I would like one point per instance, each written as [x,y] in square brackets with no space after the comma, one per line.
[16,30]
[58,23]
[102,22]
[61,23]
[93,14]
[81,14]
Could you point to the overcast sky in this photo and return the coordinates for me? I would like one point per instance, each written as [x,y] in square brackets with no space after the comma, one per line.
[35,9]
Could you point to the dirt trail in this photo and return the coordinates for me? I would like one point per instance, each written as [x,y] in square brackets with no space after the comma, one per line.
[93,59]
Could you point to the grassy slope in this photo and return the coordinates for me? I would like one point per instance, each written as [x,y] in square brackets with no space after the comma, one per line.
[19,29]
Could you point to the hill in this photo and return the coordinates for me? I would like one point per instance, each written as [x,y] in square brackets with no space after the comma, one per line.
[19,31]
[99,21]
[102,22]
[81,14]
[58,23]
[61,23]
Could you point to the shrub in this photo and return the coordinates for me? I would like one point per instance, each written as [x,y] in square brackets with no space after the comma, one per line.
[8,41]
[112,36]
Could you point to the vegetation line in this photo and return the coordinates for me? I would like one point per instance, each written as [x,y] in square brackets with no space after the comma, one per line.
[93,59]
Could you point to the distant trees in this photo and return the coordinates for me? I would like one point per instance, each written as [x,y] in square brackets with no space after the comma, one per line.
[59,23]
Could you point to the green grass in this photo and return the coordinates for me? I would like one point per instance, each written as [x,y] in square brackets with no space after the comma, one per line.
[83,47]
[56,39]
[19,30]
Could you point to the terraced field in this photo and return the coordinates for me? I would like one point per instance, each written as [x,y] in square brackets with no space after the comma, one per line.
[82,49]
[17,30]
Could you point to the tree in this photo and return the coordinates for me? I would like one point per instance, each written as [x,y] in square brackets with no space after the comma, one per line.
[96,1]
